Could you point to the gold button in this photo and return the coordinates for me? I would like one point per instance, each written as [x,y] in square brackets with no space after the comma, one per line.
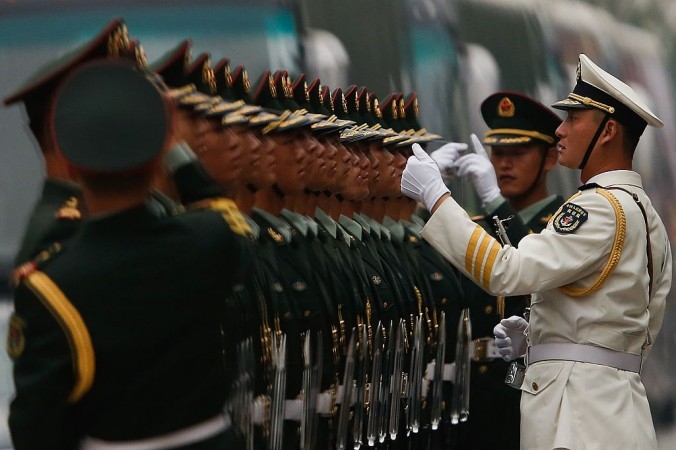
[488,309]
[306,313]
[483,369]
[443,301]
[535,386]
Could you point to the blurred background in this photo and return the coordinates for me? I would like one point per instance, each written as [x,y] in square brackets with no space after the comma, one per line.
[452,53]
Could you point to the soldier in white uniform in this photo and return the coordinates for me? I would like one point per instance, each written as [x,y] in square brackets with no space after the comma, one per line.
[599,273]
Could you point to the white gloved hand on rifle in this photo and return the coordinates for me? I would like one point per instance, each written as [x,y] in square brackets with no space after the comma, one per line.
[510,337]
[479,169]
[421,179]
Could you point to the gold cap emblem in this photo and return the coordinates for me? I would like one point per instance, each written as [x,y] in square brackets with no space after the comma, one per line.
[506,108]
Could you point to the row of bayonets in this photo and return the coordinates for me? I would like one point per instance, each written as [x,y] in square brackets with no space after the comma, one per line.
[374,390]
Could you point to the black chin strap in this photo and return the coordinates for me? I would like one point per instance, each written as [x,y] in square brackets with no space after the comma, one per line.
[593,141]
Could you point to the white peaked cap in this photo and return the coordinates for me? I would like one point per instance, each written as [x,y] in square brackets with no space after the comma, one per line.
[596,88]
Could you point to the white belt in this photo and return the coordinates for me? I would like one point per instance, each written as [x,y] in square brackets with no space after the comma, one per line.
[186,436]
[448,373]
[293,408]
[586,354]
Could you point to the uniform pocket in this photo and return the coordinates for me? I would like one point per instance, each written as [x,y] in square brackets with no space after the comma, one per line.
[541,375]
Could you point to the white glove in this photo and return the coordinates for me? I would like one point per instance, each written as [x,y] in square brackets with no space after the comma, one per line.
[446,156]
[480,170]
[421,179]
[510,337]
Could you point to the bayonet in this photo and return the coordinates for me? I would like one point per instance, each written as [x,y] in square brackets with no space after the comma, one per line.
[346,399]
[415,379]
[460,399]
[278,391]
[376,382]
[437,384]
[384,393]
[500,229]
[395,389]
[362,379]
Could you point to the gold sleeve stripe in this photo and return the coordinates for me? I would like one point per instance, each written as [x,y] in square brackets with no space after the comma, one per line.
[490,261]
[481,254]
[229,211]
[618,244]
[471,247]
[74,328]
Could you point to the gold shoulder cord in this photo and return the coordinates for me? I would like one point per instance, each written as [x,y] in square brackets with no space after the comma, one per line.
[70,320]
[618,244]
[229,211]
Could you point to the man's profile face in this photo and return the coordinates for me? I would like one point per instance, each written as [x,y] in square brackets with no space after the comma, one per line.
[575,133]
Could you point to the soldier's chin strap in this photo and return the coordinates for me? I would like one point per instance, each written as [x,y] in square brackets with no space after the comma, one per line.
[593,141]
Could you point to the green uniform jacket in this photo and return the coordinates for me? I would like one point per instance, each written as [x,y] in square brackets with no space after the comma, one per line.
[118,335]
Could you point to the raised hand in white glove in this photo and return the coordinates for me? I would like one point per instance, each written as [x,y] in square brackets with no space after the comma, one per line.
[510,337]
[480,170]
[446,156]
[421,179]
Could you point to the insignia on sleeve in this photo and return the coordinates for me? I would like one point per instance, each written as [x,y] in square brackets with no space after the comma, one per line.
[570,218]
[15,337]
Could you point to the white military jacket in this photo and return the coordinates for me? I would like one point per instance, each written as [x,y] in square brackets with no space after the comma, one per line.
[588,272]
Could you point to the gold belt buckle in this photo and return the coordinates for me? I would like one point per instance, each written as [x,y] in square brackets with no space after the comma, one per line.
[481,349]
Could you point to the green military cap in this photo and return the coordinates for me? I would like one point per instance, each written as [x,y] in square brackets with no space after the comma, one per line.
[340,104]
[234,118]
[316,98]
[327,99]
[187,97]
[266,93]
[241,85]
[286,121]
[109,117]
[112,42]
[412,111]
[376,113]
[301,93]
[596,88]
[217,107]
[202,75]
[411,115]
[223,76]
[172,66]
[392,114]
[352,101]
[284,88]
[262,119]
[516,119]
[331,124]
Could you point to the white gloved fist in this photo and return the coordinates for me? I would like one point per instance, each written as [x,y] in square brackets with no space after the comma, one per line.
[510,337]
[480,170]
[421,179]
[446,156]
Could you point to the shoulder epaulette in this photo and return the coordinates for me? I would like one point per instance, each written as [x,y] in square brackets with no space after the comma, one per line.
[69,210]
[25,269]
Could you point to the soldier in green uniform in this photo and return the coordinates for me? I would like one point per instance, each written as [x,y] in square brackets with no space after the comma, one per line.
[110,347]
[59,209]
[512,186]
